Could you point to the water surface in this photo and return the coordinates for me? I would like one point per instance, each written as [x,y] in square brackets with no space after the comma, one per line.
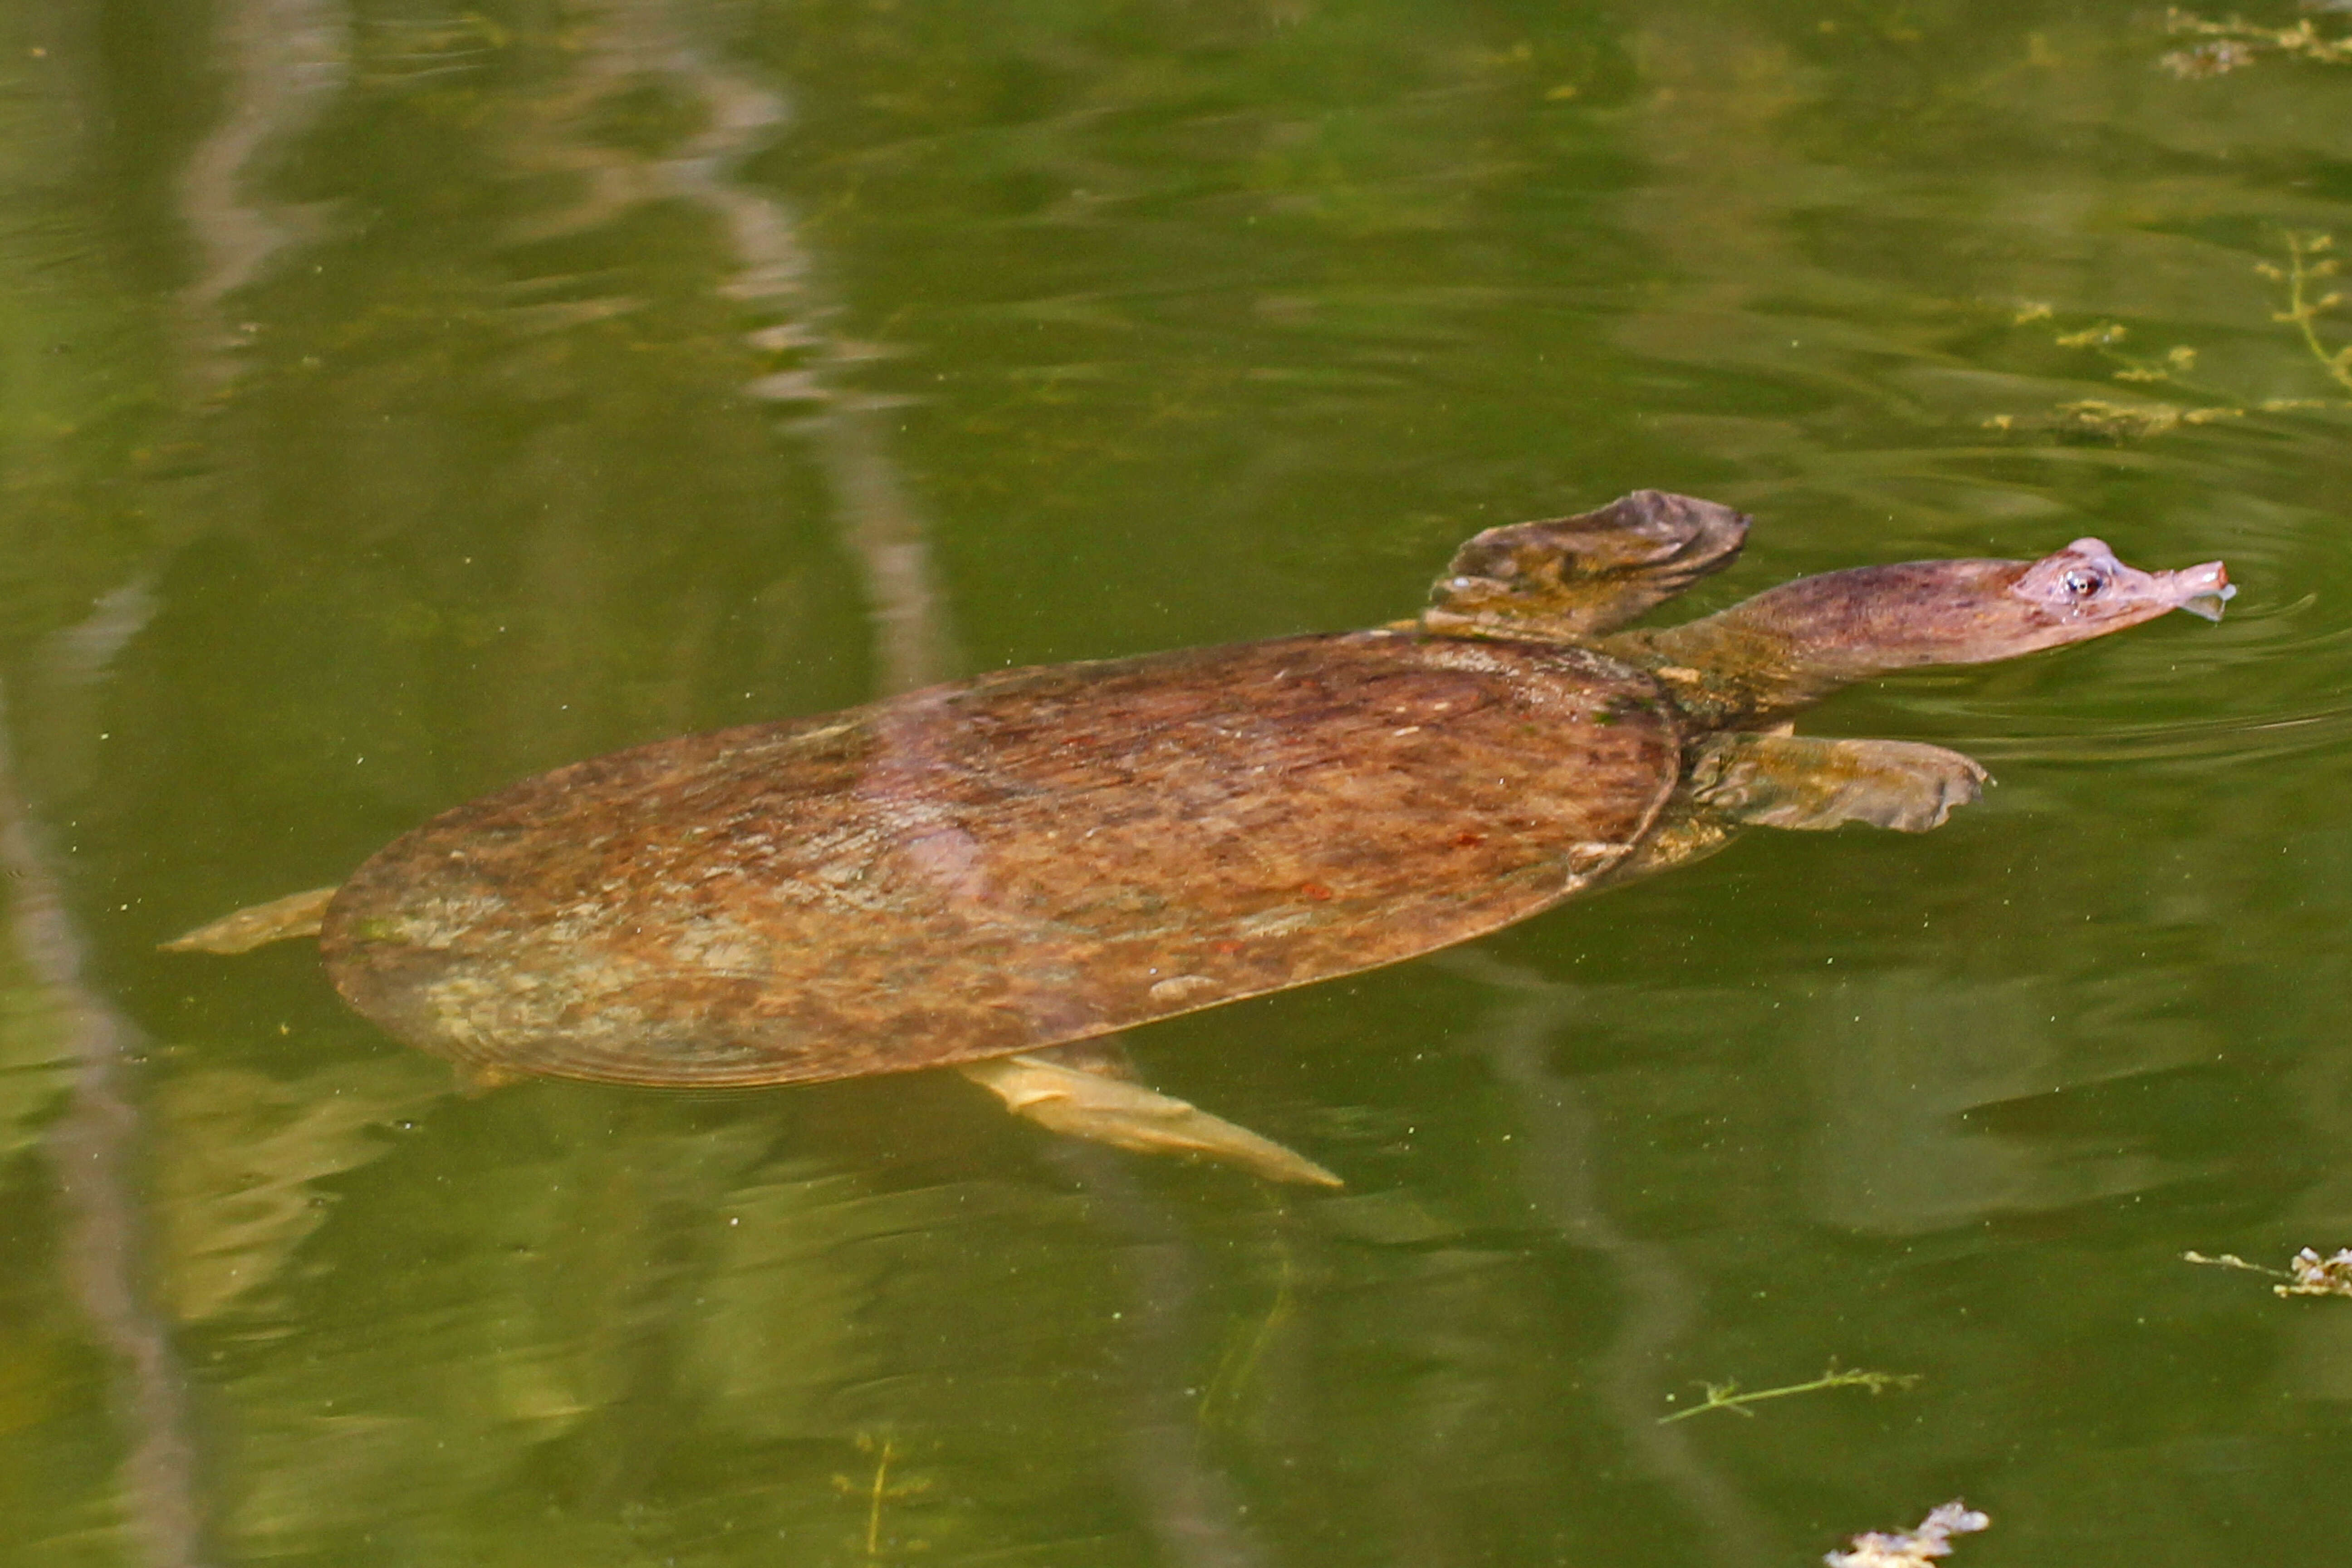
[403,398]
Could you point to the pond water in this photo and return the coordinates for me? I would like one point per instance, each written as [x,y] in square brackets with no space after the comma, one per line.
[405,396]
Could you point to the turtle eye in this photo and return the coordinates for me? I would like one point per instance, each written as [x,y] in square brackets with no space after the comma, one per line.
[2082,582]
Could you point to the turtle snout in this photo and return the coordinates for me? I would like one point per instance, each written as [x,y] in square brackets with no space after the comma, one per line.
[2202,590]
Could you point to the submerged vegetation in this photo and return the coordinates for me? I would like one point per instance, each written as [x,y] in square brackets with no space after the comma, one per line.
[874,1493]
[2224,46]
[2309,263]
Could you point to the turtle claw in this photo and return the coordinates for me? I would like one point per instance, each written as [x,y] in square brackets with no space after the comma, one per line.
[1087,1104]
[296,914]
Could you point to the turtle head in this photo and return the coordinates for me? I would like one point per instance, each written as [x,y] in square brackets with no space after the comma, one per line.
[2084,591]
[1974,612]
[1796,643]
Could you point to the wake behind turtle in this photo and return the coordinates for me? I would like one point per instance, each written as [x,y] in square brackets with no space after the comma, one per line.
[988,873]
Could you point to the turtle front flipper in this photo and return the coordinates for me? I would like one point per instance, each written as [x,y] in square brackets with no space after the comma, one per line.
[1078,1092]
[1804,783]
[1575,578]
[296,914]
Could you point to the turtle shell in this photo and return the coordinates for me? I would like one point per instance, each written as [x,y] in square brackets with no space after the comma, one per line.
[1033,856]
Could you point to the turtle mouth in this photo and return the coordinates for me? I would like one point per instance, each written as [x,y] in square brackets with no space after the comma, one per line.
[2203,590]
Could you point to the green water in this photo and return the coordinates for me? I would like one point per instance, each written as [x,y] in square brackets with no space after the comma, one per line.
[404,397]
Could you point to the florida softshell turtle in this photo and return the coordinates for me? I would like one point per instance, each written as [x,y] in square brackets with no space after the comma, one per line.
[977,873]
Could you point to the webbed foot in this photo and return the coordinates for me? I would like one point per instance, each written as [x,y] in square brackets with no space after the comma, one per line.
[296,914]
[1088,1101]
[1804,783]
[1573,577]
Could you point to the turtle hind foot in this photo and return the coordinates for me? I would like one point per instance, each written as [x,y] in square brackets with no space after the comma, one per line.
[1089,1102]
[1807,783]
[296,914]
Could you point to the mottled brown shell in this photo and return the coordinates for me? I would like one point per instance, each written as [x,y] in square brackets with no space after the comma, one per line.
[1033,856]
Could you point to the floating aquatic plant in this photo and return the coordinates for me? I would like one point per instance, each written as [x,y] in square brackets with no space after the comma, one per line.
[1727,1395]
[2306,1273]
[1914,1548]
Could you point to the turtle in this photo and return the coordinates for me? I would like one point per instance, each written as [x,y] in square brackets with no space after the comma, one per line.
[1001,874]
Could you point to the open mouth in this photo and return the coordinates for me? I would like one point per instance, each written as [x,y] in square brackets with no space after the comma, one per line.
[2205,589]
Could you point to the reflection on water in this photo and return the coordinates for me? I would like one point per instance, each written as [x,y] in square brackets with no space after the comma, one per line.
[92,1143]
[406,398]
